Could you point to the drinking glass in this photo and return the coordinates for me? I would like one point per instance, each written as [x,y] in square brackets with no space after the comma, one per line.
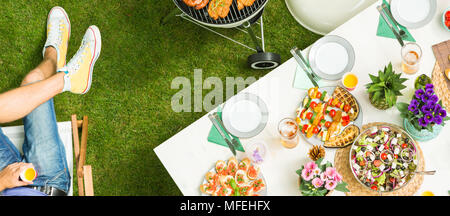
[411,55]
[288,130]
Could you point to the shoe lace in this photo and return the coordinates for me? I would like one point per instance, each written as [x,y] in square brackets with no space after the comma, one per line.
[55,33]
[77,61]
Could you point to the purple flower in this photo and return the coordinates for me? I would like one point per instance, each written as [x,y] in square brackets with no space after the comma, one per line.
[428,118]
[424,98]
[419,93]
[429,86]
[429,92]
[434,99]
[437,108]
[442,113]
[422,122]
[414,102]
[437,120]
[427,108]
[412,107]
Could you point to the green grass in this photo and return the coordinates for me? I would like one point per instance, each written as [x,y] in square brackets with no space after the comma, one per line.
[129,105]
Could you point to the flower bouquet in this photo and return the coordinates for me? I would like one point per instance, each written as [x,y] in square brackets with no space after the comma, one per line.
[424,115]
[317,179]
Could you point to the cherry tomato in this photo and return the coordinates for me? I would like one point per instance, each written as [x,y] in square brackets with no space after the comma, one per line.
[404,145]
[315,130]
[377,163]
[347,108]
[395,156]
[332,113]
[318,94]
[330,102]
[392,179]
[345,123]
[362,163]
[346,118]
[305,127]
[338,104]
[313,105]
[374,187]
[327,124]
[309,115]
[383,156]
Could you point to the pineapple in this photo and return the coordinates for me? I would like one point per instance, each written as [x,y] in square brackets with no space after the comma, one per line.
[384,89]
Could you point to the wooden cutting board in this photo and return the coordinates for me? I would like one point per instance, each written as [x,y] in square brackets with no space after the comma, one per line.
[441,52]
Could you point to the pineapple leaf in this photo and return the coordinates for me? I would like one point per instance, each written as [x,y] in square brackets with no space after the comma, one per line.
[374,78]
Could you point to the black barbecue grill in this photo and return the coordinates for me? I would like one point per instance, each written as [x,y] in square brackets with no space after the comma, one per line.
[239,19]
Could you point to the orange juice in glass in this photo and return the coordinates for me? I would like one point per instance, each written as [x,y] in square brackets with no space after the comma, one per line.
[288,130]
[28,175]
[411,55]
[350,81]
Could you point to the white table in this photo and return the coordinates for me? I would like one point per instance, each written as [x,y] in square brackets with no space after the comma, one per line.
[188,155]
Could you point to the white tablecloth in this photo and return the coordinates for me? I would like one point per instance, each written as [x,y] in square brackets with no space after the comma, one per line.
[188,155]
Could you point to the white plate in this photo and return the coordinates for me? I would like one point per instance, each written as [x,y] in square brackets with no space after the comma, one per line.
[331,57]
[413,13]
[245,115]
[323,16]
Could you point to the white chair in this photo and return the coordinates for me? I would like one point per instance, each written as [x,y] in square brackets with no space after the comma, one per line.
[69,133]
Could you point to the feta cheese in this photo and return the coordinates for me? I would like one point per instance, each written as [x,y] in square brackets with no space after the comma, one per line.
[385,129]
[356,166]
[381,148]
[394,141]
[396,150]
[399,135]
[381,167]
[376,139]
[369,147]
[389,157]
[386,138]
[373,130]
[405,165]
[372,157]
[394,164]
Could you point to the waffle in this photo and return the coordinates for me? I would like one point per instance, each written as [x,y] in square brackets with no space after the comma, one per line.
[345,97]
[345,138]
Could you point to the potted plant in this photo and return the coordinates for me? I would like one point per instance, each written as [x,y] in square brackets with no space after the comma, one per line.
[384,89]
[317,179]
[424,116]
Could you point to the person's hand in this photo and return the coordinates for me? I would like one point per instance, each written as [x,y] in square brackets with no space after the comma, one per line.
[9,176]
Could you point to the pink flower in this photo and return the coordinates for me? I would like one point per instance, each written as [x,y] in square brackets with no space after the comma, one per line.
[330,172]
[307,174]
[338,177]
[317,182]
[311,165]
[323,177]
[330,184]
[316,171]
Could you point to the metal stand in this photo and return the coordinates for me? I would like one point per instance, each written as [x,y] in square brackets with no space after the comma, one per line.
[260,60]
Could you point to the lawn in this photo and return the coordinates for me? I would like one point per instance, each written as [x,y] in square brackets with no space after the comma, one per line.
[129,104]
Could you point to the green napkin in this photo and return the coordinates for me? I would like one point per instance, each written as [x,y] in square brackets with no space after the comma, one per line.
[385,31]
[215,137]
[302,81]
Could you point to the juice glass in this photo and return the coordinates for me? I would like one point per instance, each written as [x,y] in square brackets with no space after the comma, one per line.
[350,81]
[411,55]
[288,130]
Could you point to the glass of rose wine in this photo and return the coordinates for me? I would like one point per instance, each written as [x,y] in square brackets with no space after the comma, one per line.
[411,55]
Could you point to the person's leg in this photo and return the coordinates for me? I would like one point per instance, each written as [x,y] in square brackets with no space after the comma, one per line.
[44,148]
[8,152]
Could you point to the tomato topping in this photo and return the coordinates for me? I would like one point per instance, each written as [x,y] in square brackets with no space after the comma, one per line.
[315,130]
[347,108]
[377,163]
[305,127]
[374,187]
[313,105]
[338,104]
[318,94]
[309,115]
[395,156]
[346,118]
[332,113]
[327,124]
[383,156]
[362,163]
[404,145]
[345,123]
[392,179]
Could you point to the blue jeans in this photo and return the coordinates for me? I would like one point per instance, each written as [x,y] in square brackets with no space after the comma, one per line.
[42,147]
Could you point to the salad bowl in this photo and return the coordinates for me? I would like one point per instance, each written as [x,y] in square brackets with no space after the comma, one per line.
[384,158]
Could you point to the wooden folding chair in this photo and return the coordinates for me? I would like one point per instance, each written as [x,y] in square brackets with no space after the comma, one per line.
[84,172]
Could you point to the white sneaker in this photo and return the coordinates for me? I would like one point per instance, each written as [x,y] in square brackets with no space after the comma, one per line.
[58,34]
[79,70]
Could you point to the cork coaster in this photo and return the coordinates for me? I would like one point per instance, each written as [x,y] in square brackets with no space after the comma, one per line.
[442,53]
[441,86]
[341,162]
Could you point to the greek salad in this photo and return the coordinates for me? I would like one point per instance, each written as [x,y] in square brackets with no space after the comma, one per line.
[383,159]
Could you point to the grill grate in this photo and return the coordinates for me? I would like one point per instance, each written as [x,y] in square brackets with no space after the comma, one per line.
[234,15]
